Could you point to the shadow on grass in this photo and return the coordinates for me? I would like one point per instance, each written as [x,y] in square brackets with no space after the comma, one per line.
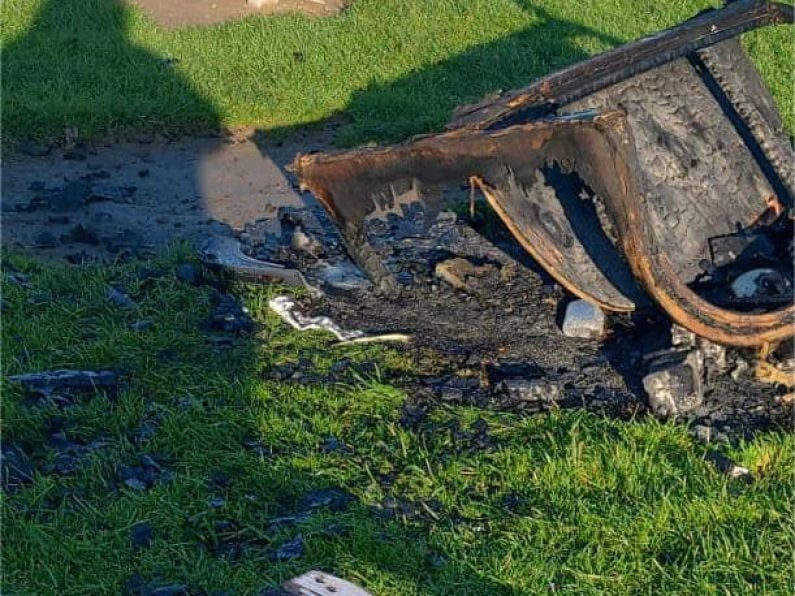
[90,51]
[246,449]
[393,111]
[245,453]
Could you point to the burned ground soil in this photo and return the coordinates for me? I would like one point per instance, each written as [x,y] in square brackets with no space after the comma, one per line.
[485,322]
[484,317]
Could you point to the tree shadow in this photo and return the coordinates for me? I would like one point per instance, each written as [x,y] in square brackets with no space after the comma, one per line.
[62,26]
[423,101]
[91,49]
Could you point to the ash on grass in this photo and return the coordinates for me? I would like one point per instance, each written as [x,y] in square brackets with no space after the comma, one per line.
[236,469]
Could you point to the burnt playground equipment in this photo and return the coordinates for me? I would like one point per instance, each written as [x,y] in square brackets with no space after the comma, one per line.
[681,159]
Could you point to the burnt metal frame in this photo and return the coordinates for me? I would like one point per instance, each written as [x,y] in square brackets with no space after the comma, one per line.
[598,147]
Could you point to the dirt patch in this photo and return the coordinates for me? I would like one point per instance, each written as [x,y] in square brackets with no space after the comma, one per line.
[173,14]
[492,339]
[109,200]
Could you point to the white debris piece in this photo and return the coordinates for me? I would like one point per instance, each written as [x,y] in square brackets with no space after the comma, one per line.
[750,283]
[318,583]
[681,337]
[583,319]
[287,309]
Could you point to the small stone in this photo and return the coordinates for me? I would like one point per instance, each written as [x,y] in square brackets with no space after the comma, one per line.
[681,337]
[703,433]
[674,384]
[715,361]
[141,535]
[583,320]
[119,298]
[342,276]
[531,390]
[289,551]
[189,274]
[303,242]
[216,502]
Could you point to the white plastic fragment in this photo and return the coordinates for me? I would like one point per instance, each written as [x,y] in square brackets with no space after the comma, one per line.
[318,583]
[584,320]
[286,308]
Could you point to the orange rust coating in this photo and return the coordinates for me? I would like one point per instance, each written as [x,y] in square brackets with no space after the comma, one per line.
[546,254]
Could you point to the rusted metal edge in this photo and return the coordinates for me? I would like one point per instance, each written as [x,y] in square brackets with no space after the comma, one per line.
[544,95]
[629,214]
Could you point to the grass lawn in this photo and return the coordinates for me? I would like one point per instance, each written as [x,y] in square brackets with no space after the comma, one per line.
[587,504]
[392,67]
[467,501]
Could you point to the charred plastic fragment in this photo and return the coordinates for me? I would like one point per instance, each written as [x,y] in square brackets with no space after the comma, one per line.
[659,169]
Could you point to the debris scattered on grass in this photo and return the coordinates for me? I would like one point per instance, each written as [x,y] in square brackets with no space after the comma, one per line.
[16,469]
[18,279]
[67,380]
[289,551]
[147,474]
[726,466]
[224,253]
[136,585]
[188,273]
[119,298]
[334,499]
[288,310]
[141,535]
[532,390]
[229,316]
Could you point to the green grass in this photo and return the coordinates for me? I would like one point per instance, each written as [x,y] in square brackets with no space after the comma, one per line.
[604,506]
[392,67]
